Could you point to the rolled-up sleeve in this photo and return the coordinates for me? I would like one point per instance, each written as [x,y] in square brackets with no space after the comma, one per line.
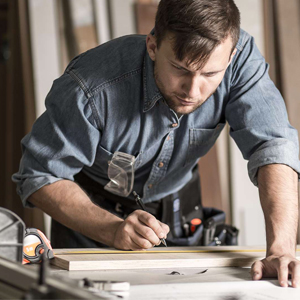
[257,114]
[63,139]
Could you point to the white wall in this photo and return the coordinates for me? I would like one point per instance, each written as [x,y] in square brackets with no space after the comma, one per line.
[44,43]
[123,18]
[247,213]
[102,22]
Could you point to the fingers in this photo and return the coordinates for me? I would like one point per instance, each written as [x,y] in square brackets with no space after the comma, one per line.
[283,273]
[257,270]
[294,268]
[140,242]
[140,230]
[154,224]
[142,235]
[165,228]
[147,234]
[278,266]
[126,237]
[287,266]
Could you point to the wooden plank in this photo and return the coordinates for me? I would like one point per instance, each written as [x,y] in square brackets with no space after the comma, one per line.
[145,17]
[288,22]
[289,47]
[172,257]
[83,24]
[195,249]
[210,180]
[270,34]
[147,1]
[4,72]
[86,37]
[27,67]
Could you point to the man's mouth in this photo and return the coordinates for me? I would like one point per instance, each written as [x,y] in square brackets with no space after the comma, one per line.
[184,102]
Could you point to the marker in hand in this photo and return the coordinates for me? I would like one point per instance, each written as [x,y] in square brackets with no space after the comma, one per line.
[142,206]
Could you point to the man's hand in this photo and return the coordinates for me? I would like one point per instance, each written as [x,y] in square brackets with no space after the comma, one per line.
[281,266]
[278,190]
[139,231]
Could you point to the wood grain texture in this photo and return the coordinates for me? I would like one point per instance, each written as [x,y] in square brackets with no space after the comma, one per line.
[185,257]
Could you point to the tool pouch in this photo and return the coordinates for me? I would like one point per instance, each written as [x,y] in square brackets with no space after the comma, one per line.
[185,206]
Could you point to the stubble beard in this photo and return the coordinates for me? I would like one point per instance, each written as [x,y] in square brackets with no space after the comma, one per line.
[172,103]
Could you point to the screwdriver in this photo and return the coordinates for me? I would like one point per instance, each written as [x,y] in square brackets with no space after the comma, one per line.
[142,206]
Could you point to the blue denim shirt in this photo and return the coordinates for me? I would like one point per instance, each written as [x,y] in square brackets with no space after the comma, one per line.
[107,101]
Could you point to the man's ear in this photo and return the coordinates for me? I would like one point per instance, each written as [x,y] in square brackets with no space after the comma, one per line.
[151,46]
[232,55]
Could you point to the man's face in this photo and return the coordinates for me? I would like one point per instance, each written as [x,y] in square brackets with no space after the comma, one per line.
[185,88]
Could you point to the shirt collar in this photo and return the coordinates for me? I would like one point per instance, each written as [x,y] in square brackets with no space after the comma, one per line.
[151,91]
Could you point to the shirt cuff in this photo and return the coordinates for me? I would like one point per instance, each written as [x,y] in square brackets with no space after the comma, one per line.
[276,151]
[31,185]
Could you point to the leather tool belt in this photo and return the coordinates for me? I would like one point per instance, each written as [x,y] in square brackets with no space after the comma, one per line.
[178,210]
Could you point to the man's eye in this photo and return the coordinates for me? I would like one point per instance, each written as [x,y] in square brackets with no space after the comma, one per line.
[178,68]
[210,74]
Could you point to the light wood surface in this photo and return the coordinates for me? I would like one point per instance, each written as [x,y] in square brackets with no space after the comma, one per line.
[172,257]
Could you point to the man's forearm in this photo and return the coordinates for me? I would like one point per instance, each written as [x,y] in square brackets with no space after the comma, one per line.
[278,190]
[67,203]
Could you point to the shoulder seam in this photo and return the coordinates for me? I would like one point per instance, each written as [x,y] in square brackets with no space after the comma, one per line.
[88,96]
[73,74]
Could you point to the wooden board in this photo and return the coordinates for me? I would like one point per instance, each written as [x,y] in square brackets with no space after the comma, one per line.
[171,257]
[288,24]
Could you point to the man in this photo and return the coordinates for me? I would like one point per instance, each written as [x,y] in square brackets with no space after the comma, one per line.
[162,101]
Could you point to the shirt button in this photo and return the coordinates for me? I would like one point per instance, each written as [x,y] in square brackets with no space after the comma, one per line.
[161,164]
[174,125]
[150,186]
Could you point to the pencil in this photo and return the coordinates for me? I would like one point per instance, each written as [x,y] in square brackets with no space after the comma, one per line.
[142,206]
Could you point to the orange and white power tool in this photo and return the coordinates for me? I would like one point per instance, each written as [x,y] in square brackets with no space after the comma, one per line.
[35,245]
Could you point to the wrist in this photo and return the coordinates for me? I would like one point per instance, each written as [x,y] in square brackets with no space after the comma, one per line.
[280,249]
[111,230]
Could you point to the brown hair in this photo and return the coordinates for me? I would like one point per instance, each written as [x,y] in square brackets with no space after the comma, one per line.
[197,27]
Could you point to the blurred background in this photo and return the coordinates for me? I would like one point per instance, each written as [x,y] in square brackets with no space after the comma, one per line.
[39,37]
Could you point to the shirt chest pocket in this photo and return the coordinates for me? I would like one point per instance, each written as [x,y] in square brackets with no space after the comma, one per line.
[200,142]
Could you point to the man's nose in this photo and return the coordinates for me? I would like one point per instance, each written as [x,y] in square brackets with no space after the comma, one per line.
[192,87]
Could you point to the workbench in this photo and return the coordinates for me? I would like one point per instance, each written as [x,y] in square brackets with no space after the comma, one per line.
[209,283]
[215,283]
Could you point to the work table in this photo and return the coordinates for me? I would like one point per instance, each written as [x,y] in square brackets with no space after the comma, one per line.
[191,283]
